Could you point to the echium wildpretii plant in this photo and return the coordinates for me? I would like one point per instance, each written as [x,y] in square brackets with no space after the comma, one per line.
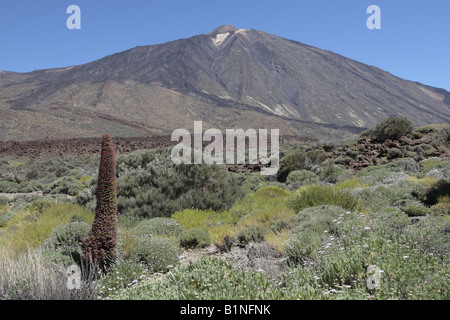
[99,246]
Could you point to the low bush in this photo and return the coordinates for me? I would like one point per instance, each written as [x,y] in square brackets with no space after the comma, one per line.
[299,160]
[426,129]
[394,153]
[316,225]
[68,237]
[440,209]
[334,173]
[352,153]
[253,233]
[391,128]
[374,175]
[194,238]
[280,225]
[380,197]
[302,177]
[209,278]
[350,184]
[417,135]
[158,227]
[439,189]
[158,254]
[415,210]
[64,185]
[122,275]
[150,185]
[3,200]
[345,161]
[329,147]
[317,195]
[252,183]
[9,187]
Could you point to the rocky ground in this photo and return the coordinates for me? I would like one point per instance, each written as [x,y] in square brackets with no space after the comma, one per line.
[82,147]
[256,257]
[366,153]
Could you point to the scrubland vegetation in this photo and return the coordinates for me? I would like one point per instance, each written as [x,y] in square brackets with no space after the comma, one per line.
[199,232]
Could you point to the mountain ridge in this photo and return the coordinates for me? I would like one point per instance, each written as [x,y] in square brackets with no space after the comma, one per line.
[264,78]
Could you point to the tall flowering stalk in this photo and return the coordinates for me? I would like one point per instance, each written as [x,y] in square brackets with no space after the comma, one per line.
[99,246]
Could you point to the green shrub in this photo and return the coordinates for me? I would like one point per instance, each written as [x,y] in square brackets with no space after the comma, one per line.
[317,195]
[444,199]
[401,165]
[276,184]
[437,140]
[299,160]
[405,141]
[279,226]
[429,152]
[302,177]
[391,128]
[40,206]
[375,174]
[440,189]
[9,187]
[60,258]
[68,236]
[209,278]
[194,238]
[397,194]
[254,233]
[64,245]
[3,200]
[393,153]
[350,184]
[334,173]
[345,161]
[150,185]
[426,129]
[30,186]
[123,275]
[252,183]
[64,185]
[329,147]
[415,210]
[440,209]
[158,254]
[313,226]
[127,223]
[158,227]
[417,135]
[352,153]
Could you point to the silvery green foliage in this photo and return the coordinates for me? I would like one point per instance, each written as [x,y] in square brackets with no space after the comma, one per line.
[150,185]
[158,254]
[158,227]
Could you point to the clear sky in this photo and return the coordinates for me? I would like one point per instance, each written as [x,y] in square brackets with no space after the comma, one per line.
[413,43]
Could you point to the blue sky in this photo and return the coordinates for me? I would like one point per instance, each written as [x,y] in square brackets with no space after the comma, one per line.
[413,43]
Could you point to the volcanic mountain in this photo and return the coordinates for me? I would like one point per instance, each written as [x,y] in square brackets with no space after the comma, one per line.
[228,78]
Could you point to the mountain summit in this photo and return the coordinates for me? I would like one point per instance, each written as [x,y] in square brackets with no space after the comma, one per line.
[228,78]
[223,29]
